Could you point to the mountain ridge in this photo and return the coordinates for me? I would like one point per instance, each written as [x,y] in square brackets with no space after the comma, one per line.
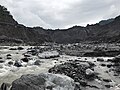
[108,31]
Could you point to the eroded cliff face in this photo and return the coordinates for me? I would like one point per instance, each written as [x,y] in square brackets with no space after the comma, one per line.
[11,31]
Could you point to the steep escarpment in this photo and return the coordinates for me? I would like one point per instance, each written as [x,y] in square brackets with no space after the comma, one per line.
[11,31]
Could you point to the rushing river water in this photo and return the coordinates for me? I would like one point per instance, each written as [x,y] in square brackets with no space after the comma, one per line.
[10,73]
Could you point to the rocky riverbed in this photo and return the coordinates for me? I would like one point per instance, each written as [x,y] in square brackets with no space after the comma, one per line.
[88,73]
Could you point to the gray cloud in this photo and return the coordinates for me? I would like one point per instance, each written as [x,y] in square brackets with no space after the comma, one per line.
[61,13]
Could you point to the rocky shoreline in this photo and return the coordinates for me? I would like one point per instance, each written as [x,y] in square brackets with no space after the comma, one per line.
[82,73]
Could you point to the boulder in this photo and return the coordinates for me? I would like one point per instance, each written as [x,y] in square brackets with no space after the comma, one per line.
[89,72]
[48,54]
[43,81]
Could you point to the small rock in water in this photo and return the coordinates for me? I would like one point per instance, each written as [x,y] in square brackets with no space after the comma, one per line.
[109,65]
[10,63]
[25,59]
[27,55]
[17,64]
[20,48]
[8,55]
[108,86]
[116,74]
[107,80]
[13,49]
[2,61]
[89,72]
[100,59]
[9,58]
[83,83]
[37,62]
[116,59]
[33,51]
[103,65]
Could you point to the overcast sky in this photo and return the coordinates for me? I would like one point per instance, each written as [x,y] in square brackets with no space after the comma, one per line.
[61,13]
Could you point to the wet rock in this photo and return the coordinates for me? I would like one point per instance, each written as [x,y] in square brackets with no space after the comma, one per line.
[13,49]
[103,64]
[107,80]
[20,48]
[91,64]
[116,74]
[116,59]
[89,72]
[8,55]
[83,83]
[25,59]
[32,51]
[43,82]
[77,86]
[10,63]
[116,64]
[109,60]
[27,55]
[9,58]
[17,64]
[109,65]
[37,62]
[2,61]
[100,59]
[108,86]
[0,57]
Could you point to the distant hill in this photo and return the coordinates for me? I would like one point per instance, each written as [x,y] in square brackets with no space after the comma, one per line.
[11,31]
